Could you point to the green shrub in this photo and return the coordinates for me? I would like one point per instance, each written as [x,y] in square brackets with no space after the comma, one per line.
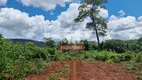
[18,60]
[138,58]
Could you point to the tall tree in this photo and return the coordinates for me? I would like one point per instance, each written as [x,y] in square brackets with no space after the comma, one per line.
[90,8]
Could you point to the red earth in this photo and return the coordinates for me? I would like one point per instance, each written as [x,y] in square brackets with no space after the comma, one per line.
[54,67]
[102,71]
[89,70]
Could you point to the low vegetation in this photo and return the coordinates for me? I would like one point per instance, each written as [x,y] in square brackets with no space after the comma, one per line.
[17,60]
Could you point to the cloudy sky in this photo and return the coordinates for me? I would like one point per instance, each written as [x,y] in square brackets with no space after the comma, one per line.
[36,19]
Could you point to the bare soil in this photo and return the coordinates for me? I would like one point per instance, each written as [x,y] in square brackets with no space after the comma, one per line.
[86,70]
[98,70]
[54,67]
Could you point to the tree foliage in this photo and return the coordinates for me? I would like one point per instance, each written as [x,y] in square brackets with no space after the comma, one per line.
[1,37]
[121,46]
[50,42]
[64,41]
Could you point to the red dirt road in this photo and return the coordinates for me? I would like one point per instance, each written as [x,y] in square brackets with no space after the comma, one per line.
[85,70]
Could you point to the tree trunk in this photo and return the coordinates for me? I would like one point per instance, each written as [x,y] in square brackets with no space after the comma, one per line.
[95,27]
[97,35]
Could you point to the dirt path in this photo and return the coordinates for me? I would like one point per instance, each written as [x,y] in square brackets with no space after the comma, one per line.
[85,70]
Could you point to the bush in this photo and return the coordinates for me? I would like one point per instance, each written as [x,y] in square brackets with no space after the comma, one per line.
[17,61]
[121,46]
[138,58]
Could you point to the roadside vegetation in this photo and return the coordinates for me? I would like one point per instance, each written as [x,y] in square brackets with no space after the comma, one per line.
[17,61]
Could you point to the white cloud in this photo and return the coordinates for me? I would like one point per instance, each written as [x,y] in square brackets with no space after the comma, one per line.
[124,28]
[122,23]
[140,20]
[65,27]
[3,2]
[46,4]
[103,13]
[122,13]
[21,24]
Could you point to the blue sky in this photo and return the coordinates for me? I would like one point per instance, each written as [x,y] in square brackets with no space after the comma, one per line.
[131,7]
[36,11]
[54,18]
